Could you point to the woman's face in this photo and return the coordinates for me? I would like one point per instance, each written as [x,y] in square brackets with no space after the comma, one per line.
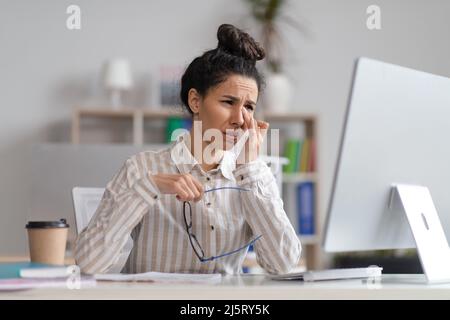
[222,106]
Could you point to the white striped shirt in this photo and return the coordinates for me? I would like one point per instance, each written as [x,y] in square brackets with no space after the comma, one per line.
[224,220]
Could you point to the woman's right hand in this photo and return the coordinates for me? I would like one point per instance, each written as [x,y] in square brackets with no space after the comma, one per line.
[185,186]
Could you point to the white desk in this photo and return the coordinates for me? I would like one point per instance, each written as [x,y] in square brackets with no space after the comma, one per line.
[251,287]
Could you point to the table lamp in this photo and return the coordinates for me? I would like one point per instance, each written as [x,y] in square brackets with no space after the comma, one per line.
[117,79]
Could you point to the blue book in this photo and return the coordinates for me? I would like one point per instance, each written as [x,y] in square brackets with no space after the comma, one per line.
[305,208]
[187,124]
[12,270]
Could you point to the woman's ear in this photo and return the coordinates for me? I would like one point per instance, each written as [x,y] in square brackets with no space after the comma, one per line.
[194,100]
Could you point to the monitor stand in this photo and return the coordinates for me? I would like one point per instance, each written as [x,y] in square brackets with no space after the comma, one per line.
[431,243]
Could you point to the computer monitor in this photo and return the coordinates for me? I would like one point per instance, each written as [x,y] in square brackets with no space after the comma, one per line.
[397,130]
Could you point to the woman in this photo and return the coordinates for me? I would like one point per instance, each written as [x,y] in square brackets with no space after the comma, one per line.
[188,210]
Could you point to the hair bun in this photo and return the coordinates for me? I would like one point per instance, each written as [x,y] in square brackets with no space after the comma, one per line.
[239,43]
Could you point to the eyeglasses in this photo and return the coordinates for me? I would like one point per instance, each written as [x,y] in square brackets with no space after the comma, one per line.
[198,250]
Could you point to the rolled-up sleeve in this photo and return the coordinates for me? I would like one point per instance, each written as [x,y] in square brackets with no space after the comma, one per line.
[127,197]
[279,248]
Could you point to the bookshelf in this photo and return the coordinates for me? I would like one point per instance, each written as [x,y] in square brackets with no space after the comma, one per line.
[137,116]
[139,126]
[300,126]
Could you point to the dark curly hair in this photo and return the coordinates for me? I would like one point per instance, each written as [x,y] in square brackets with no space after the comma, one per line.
[236,53]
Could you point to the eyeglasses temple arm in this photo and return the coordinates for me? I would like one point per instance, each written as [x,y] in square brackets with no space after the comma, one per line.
[232,252]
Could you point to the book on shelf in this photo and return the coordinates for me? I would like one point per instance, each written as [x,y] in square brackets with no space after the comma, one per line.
[303,158]
[299,205]
[305,208]
[175,123]
[301,155]
[312,156]
[290,152]
[298,155]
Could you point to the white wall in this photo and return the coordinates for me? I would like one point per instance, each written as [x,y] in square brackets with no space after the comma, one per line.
[414,34]
[47,69]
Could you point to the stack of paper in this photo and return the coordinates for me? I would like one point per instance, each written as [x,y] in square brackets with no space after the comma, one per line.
[332,274]
[27,275]
[28,283]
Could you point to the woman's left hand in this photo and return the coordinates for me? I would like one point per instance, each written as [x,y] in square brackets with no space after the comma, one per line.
[257,132]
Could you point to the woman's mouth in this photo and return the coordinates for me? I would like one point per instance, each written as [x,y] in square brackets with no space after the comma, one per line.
[230,137]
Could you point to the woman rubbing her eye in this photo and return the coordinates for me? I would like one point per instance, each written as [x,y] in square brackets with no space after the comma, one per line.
[184,214]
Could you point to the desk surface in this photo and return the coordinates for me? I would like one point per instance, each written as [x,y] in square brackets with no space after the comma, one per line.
[252,287]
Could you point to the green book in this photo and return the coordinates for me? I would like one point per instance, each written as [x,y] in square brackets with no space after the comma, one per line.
[173,123]
[291,152]
[299,155]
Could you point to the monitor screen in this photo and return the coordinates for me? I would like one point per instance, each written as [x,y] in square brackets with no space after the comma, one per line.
[397,130]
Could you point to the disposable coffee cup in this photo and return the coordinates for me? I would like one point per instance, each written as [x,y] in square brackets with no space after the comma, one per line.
[47,241]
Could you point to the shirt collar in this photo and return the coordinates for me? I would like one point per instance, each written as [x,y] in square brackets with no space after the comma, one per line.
[185,161]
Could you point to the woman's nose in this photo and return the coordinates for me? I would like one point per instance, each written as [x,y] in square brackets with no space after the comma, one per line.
[237,118]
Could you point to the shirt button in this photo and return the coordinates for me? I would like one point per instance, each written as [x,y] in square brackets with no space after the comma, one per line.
[208,204]
[212,227]
[208,178]
[155,197]
[242,177]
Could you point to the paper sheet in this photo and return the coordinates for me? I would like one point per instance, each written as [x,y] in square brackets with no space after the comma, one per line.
[162,277]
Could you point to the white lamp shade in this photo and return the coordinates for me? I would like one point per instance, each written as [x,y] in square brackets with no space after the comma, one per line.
[118,75]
